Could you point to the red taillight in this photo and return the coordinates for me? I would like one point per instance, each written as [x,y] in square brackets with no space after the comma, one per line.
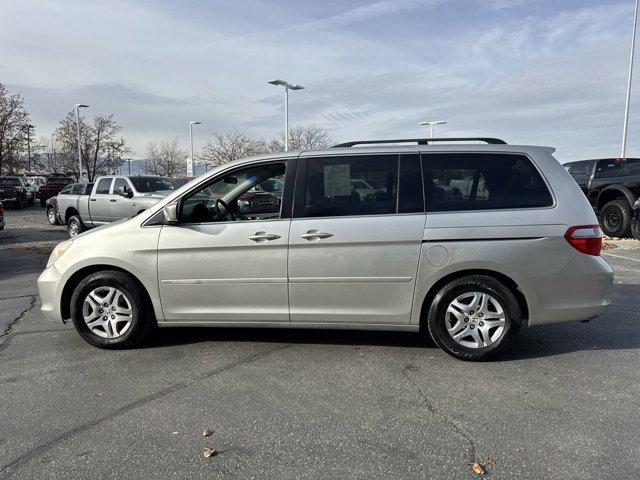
[585,238]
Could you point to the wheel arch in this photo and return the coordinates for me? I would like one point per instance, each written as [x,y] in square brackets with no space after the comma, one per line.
[70,212]
[78,276]
[615,192]
[501,277]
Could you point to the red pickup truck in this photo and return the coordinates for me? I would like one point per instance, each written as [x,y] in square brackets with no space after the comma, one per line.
[52,187]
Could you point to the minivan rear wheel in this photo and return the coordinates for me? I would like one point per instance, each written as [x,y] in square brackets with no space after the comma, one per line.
[474,317]
[110,310]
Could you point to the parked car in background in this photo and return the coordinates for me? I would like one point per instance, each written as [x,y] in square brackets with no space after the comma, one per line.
[37,182]
[52,187]
[612,186]
[14,191]
[1,216]
[75,189]
[112,197]
[470,266]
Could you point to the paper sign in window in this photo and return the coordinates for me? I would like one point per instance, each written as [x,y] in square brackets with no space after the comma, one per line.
[337,180]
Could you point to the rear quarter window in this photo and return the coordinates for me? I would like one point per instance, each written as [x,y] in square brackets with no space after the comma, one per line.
[479,181]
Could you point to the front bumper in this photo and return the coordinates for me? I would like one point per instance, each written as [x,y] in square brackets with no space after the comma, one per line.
[50,288]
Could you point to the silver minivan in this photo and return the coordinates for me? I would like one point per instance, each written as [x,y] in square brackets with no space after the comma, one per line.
[463,241]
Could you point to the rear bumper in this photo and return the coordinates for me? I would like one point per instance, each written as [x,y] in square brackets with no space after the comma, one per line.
[50,290]
[580,291]
[10,200]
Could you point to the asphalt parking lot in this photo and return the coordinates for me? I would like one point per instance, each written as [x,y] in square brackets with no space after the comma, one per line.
[564,404]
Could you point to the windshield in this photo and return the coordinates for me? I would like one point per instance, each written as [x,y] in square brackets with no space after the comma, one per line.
[9,182]
[58,182]
[153,184]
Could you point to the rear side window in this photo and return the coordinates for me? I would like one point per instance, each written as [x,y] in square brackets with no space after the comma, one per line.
[103,186]
[475,181]
[350,185]
[77,189]
[581,169]
[616,167]
[66,190]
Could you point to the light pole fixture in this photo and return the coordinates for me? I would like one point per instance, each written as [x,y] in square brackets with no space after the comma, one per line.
[432,125]
[191,166]
[287,86]
[28,127]
[77,108]
[628,101]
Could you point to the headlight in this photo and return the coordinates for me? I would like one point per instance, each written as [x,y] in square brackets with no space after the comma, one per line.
[58,251]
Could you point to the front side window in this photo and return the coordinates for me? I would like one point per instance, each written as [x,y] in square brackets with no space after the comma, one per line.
[350,185]
[120,186]
[475,181]
[103,186]
[253,193]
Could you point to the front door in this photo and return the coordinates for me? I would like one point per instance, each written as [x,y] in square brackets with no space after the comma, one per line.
[226,261]
[355,239]
[99,202]
[120,205]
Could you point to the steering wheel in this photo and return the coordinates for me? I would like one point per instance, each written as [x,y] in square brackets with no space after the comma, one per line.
[229,214]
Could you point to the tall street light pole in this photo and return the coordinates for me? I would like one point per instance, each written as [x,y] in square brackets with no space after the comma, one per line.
[432,125]
[77,108]
[628,102]
[191,166]
[287,86]
[28,128]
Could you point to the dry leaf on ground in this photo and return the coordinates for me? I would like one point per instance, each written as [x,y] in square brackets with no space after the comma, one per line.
[411,368]
[209,452]
[477,468]
[207,432]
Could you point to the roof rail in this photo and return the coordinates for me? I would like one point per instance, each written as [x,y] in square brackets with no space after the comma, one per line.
[422,141]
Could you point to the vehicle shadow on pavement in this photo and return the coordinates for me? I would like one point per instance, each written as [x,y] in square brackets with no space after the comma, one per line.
[617,330]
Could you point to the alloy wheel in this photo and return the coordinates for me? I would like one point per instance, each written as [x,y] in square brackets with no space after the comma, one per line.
[475,320]
[107,312]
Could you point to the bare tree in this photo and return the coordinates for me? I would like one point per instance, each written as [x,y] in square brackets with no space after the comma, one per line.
[48,156]
[224,147]
[166,159]
[310,137]
[101,146]
[13,119]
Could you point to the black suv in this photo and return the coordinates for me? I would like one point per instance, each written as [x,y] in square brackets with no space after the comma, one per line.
[612,186]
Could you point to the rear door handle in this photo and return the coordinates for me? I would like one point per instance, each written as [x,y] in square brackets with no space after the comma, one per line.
[93,199]
[315,235]
[263,237]
[112,200]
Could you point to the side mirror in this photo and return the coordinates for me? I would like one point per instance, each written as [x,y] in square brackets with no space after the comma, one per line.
[170,213]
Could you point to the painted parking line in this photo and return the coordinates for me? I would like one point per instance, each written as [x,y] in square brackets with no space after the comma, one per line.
[620,256]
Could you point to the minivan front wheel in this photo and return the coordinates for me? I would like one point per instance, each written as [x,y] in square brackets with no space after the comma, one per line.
[474,317]
[110,310]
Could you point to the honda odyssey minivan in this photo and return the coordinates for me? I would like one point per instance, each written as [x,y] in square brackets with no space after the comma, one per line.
[465,242]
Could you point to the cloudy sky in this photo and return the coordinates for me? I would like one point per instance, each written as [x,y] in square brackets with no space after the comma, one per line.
[543,72]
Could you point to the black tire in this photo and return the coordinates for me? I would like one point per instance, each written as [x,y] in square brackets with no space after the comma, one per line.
[635,229]
[32,200]
[142,319]
[615,218]
[20,203]
[51,216]
[75,226]
[43,203]
[436,318]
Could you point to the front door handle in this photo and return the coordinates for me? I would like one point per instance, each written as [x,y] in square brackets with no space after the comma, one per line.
[315,235]
[263,237]
[112,200]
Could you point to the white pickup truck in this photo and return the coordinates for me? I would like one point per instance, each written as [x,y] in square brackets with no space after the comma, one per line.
[112,198]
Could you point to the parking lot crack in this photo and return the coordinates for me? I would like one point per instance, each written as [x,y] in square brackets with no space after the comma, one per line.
[428,403]
[9,469]
[6,335]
